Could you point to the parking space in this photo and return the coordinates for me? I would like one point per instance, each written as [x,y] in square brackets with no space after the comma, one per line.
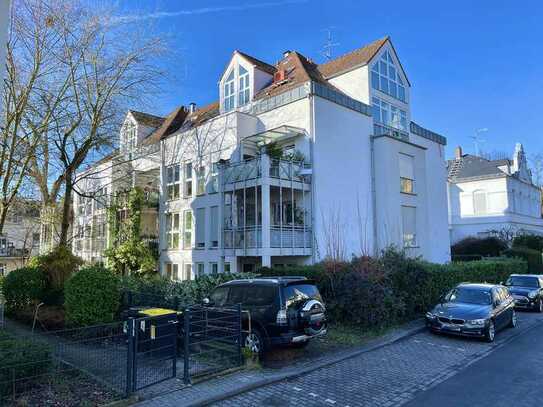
[389,376]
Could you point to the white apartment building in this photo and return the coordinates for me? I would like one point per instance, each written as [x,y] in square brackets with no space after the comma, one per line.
[20,237]
[487,197]
[296,162]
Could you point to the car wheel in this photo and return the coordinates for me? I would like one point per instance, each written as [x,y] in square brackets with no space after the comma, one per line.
[490,332]
[540,306]
[513,322]
[255,342]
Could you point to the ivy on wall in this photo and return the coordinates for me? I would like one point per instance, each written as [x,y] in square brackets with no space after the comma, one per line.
[127,253]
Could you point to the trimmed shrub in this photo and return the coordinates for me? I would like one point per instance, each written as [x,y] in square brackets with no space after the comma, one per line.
[533,258]
[474,246]
[393,288]
[92,296]
[58,265]
[23,287]
[533,242]
[21,359]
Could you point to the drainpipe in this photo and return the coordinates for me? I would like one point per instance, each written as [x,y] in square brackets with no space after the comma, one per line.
[312,127]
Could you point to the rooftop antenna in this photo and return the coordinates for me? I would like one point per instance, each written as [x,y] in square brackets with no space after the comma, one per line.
[477,140]
[329,44]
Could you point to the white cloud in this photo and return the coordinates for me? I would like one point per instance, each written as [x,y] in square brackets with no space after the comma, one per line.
[204,10]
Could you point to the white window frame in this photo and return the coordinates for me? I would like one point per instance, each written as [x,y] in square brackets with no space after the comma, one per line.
[477,212]
[188,232]
[213,185]
[214,268]
[187,271]
[173,230]
[172,271]
[244,89]
[200,227]
[229,92]
[386,77]
[187,179]
[213,233]
[407,181]
[200,269]
[201,180]
[227,268]
[173,182]
[383,112]
[409,239]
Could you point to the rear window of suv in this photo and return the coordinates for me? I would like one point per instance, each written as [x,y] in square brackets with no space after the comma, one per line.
[300,293]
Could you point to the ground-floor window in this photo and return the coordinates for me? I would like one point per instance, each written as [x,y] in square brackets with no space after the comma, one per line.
[187,275]
[226,267]
[172,271]
[409,226]
[214,268]
[200,270]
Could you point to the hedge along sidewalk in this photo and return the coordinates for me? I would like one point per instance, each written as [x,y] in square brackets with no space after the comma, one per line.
[223,387]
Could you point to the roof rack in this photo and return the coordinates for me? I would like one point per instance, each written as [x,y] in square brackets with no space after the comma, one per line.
[284,278]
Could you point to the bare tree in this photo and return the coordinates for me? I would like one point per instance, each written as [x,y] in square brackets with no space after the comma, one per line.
[536,162]
[106,69]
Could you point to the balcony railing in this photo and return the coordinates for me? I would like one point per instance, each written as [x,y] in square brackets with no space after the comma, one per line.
[382,130]
[250,237]
[252,169]
[14,252]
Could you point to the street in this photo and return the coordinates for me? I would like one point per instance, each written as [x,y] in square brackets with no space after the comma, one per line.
[422,370]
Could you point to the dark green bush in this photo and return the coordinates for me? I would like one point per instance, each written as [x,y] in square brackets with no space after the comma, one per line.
[160,291]
[532,257]
[21,359]
[23,287]
[485,247]
[58,265]
[533,242]
[379,292]
[92,296]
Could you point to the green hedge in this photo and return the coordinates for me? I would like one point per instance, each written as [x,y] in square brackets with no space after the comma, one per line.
[21,359]
[393,288]
[532,257]
[92,296]
[23,287]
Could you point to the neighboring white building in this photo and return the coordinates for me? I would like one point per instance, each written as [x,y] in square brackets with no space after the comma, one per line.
[20,238]
[297,162]
[487,197]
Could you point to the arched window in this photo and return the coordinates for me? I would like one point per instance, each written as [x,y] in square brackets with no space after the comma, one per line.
[479,202]
[244,87]
[386,78]
[229,92]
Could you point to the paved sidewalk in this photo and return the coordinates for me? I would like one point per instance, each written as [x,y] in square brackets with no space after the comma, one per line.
[230,385]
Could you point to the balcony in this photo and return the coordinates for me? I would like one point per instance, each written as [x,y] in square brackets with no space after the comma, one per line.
[383,130]
[285,237]
[277,169]
[14,252]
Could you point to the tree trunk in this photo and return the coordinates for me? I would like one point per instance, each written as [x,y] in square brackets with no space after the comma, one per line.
[66,209]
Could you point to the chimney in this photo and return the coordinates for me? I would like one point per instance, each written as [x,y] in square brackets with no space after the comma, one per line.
[458,153]
[192,107]
[286,53]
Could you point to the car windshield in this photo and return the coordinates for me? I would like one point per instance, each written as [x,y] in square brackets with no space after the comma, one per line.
[523,281]
[469,296]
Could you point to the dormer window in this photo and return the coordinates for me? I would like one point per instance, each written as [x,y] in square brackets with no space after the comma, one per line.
[229,92]
[236,88]
[385,77]
[244,87]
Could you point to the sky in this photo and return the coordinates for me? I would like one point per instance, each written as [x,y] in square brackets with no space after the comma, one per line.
[472,64]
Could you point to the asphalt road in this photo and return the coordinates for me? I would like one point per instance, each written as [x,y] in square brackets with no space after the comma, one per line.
[512,375]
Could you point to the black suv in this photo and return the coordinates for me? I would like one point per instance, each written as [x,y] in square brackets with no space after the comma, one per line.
[281,310]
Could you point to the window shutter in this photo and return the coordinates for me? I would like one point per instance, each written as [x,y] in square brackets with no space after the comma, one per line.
[407,165]
[200,227]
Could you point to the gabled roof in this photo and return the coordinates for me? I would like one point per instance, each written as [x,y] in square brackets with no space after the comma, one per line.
[172,123]
[263,66]
[147,119]
[355,59]
[471,167]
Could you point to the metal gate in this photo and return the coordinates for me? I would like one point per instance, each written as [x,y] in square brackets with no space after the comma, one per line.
[152,351]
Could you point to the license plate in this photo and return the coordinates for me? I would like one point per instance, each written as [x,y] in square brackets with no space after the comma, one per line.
[451,327]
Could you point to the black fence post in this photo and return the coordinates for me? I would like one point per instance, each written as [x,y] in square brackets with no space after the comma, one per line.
[240,335]
[186,353]
[174,353]
[130,331]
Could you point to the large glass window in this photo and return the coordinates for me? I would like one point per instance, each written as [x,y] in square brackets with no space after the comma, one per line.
[385,77]
[187,229]
[173,179]
[172,230]
[388,114]
[409,226]
[244,88]
[213,185]
[229,92]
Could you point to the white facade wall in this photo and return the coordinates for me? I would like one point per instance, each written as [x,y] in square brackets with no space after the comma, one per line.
[511,205]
